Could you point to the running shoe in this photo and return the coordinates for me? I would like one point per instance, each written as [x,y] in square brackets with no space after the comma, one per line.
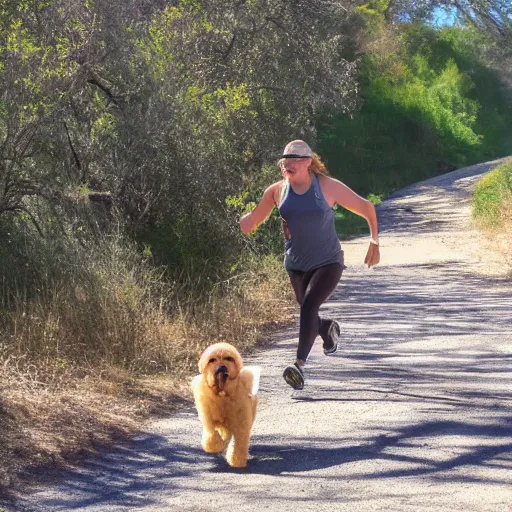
[294,376]
[334,336]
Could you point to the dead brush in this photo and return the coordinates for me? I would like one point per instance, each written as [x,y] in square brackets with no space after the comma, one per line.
[89,357]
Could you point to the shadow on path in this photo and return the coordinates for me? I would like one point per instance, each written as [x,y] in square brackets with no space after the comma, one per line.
[133,476]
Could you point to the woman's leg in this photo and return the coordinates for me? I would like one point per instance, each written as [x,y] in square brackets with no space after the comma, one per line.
[315,288]
[300,282]
[323,327]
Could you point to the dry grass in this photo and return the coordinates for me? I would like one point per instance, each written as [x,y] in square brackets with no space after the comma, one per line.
[78,371]
[52,424]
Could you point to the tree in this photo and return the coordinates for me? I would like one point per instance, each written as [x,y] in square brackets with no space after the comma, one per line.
[493,17]
[170,108]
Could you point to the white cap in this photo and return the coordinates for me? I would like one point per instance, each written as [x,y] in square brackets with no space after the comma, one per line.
[297,149]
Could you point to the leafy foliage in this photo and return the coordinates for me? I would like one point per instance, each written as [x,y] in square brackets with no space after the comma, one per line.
[165,109]
[491,17]
[430,105]
[493,196]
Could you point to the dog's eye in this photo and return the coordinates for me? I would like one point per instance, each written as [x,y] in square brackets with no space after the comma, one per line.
[212,360]
[230,359]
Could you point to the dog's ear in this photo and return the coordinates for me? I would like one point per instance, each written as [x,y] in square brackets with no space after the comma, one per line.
[238,359]
[250,377]
[196,381]
[203,360]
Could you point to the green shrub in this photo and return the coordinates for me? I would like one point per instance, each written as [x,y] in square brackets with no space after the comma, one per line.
[429,105]
[492,198]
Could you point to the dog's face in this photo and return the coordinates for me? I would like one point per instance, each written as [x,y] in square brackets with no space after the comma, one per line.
[219,364]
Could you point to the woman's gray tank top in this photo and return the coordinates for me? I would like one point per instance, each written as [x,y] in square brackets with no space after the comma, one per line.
[310,221]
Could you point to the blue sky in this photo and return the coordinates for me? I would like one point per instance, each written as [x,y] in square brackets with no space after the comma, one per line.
[444,16]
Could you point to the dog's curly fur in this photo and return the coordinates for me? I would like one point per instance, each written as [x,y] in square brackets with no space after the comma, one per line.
[225,397]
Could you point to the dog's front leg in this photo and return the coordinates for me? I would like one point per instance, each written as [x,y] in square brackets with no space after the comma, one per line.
[215,437]
[212,441]
[238,450]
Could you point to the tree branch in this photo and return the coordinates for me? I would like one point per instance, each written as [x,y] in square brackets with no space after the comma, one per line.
[75,156]
[17,209]
[106,90]
[229,48]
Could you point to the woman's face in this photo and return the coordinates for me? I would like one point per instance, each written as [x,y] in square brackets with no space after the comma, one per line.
[295,168]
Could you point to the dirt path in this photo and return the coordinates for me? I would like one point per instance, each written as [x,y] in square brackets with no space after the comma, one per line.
[415,412]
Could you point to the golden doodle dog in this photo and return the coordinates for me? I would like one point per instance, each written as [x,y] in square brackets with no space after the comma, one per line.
[225,397]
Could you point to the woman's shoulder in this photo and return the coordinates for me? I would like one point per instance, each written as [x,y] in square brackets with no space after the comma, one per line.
[276,185]
[323,179]
[330,183]
[329,187]
[275,189]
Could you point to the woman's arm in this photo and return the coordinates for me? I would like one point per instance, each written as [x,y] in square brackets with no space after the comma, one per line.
[250,221]
[347,198]
[338,192]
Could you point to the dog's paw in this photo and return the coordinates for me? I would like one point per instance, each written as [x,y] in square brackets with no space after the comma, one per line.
[236,462]
[237,454]
[213,443]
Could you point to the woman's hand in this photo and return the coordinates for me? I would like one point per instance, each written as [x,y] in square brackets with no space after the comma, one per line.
[373,255]
[246,224]
[250,221]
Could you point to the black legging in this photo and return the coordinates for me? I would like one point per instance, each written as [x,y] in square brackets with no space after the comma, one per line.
[312,289]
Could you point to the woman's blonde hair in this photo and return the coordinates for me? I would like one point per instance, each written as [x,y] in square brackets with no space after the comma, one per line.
[317,166]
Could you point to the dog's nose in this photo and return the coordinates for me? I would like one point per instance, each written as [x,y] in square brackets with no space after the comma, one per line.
[222,369]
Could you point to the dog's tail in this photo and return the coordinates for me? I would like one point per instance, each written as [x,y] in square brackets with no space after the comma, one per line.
[251,378]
